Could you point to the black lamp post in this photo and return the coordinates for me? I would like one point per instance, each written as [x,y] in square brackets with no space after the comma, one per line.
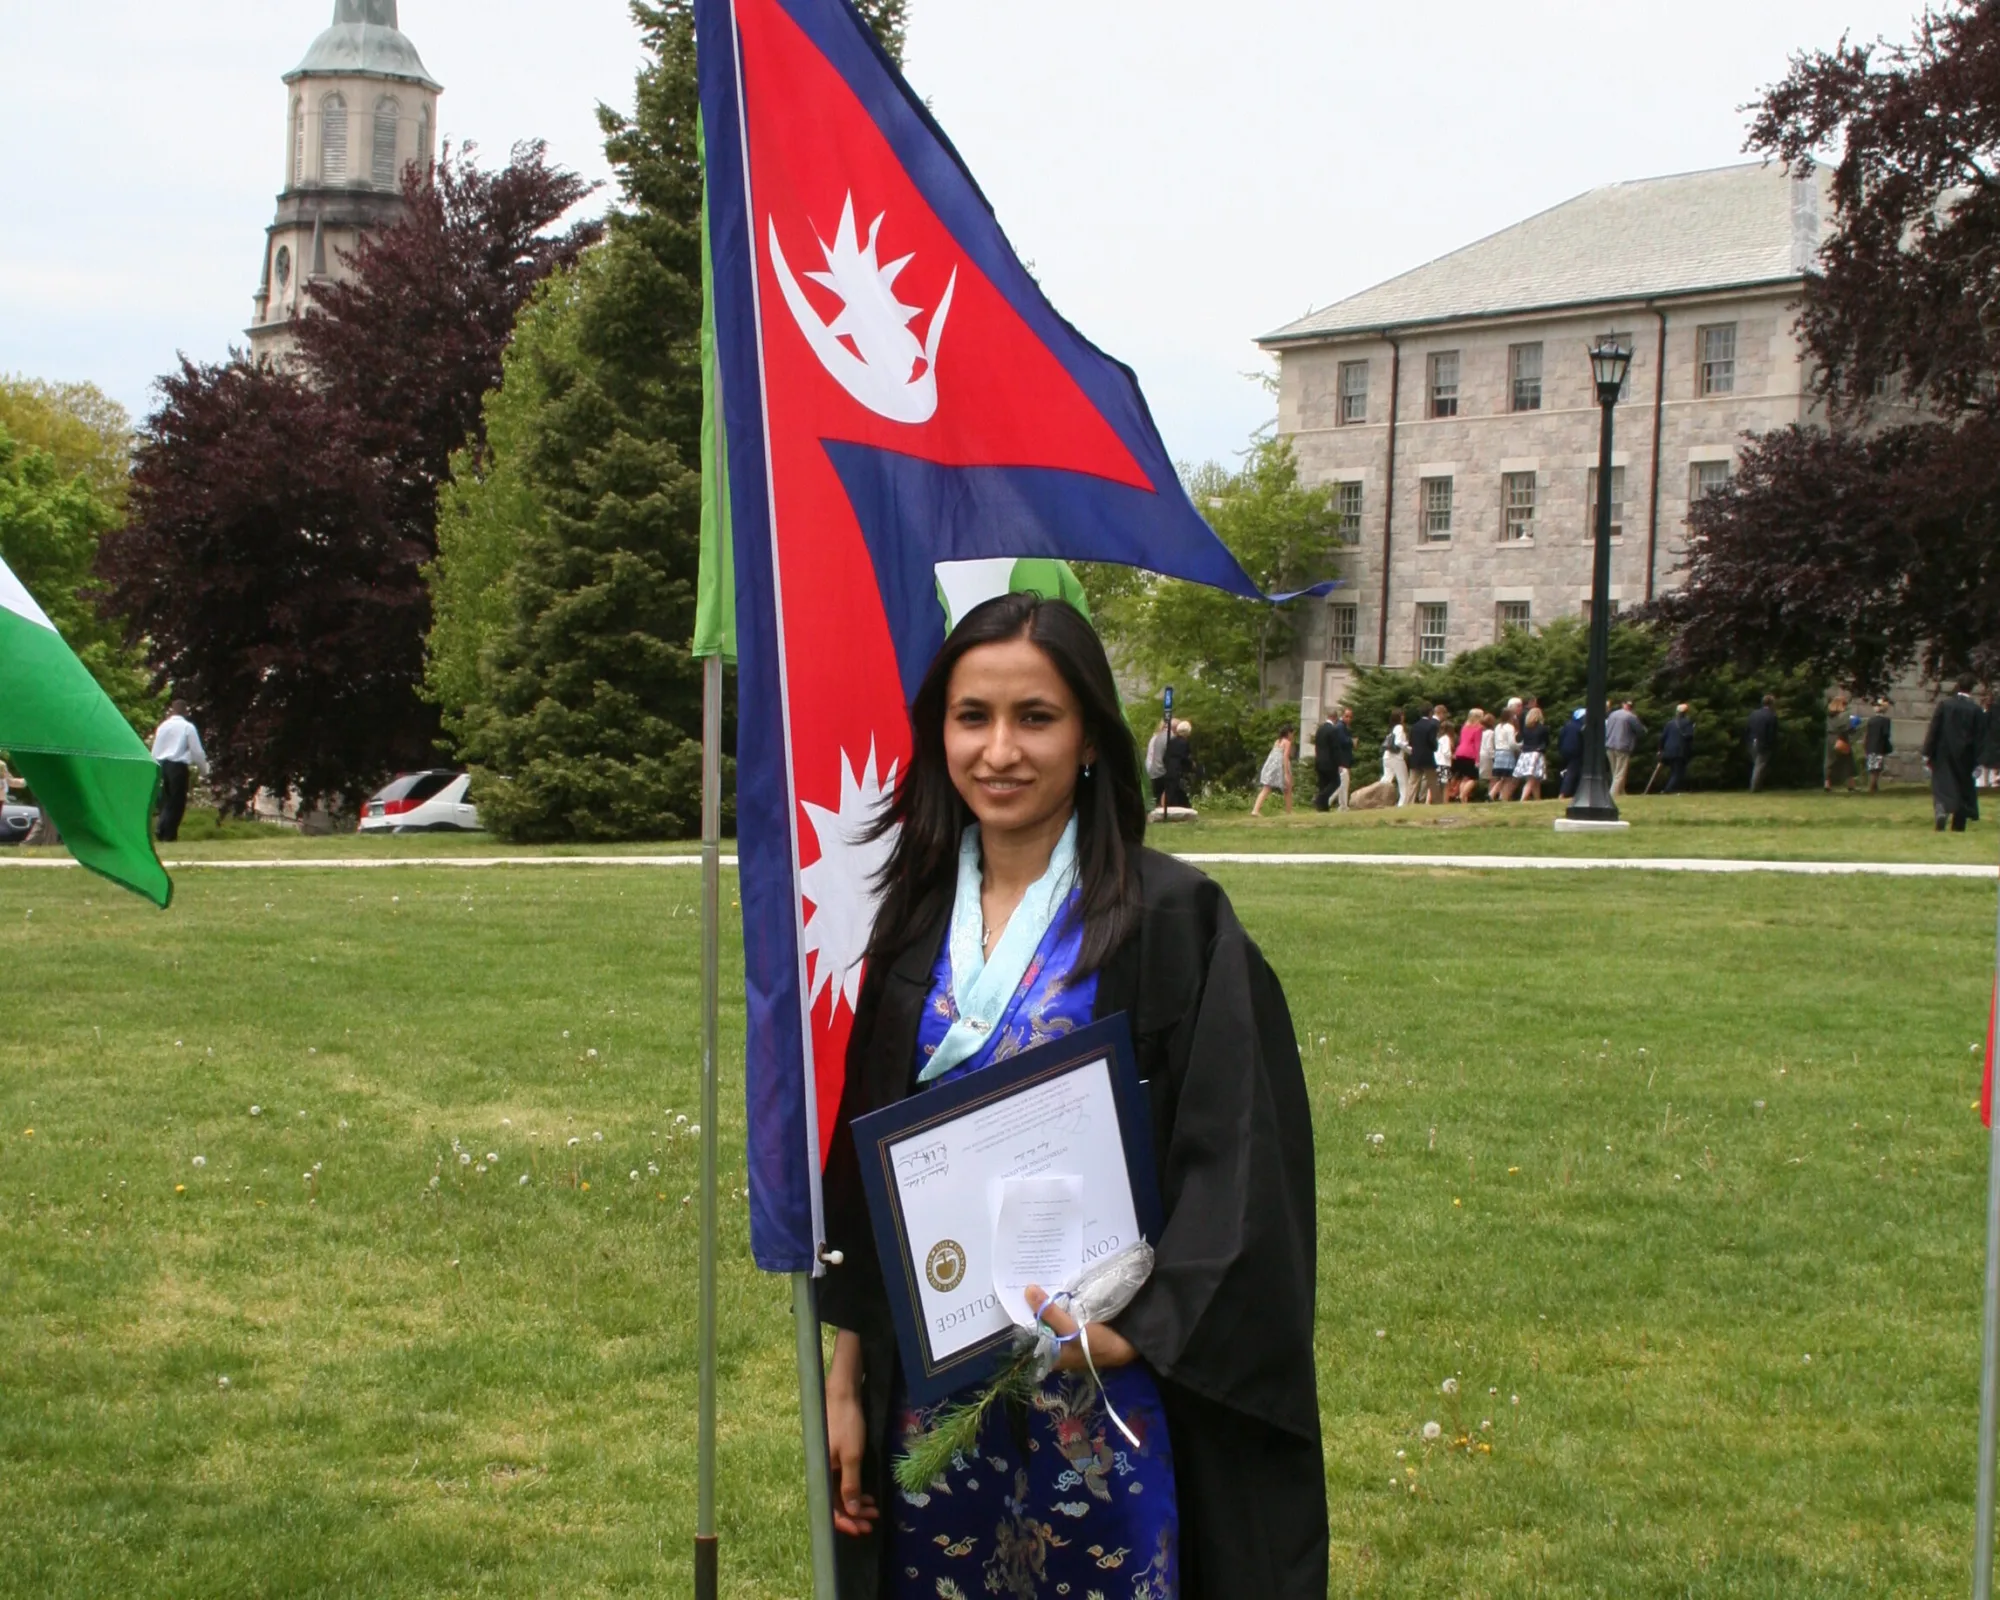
[1609,362]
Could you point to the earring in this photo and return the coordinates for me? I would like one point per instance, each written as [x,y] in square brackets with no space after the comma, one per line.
[1086,769]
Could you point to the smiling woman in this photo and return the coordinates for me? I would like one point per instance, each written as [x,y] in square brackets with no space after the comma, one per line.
[1019,904]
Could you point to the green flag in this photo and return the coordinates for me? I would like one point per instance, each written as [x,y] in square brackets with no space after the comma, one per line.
[715,587]
[91,774]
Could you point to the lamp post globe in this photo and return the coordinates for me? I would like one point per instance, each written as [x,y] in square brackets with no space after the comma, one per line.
[1610,361]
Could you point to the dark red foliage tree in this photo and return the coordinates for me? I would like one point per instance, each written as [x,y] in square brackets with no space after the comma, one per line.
[1856,551]
[280,519]
[273,587]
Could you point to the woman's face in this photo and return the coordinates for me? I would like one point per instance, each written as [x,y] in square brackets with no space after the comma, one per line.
[1013,737]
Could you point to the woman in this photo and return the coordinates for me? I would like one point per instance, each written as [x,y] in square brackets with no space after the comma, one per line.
[1277,774]
[1506,750]
[1179,757]
[1839,746]
[1017,830]
[1465,756]
[1486,751]
[1396,757]
[1441,757]
[1531,762]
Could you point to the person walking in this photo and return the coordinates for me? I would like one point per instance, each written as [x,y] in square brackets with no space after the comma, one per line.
[1396,757]
[1569,749]
[1156,756]
[177,747]
[1422,727]
[1506,750]
[1277,774]
[1333,760]
[1951,751]
[1179,756]
[1840,745]
[1761,734]
[1622,732]
[1677,748]
[1487,724]
[1465,757]
[1877,745]
[1531,765]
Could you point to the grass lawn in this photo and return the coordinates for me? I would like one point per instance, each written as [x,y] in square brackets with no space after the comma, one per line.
[1646,1146]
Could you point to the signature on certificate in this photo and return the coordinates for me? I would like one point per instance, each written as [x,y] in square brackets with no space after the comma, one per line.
[921,1163]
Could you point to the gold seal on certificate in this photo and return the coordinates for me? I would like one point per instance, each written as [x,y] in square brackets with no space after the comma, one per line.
[1020,1174]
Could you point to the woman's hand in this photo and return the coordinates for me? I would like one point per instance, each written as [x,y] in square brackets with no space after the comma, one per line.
[1108,1347]
[854,1510]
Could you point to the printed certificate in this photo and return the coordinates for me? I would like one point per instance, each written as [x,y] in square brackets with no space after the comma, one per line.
[1022,1172]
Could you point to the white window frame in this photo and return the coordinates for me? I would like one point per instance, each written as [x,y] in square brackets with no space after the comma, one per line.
[1511,614]
[1705,477]
[1617,503]
[1434,506]
[385,174]
[1715,351]
[1343,630]
[1517,507]
[1346,516]
[1442,395]
[1524,388]
[1348,392]
[335,146]
[1433,632]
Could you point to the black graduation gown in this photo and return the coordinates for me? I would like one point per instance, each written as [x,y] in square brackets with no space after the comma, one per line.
[1951,746]
[1226,1321]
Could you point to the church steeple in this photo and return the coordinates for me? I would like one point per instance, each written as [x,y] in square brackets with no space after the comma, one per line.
[361,110]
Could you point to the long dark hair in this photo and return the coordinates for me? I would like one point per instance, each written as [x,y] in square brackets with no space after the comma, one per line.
[920,878]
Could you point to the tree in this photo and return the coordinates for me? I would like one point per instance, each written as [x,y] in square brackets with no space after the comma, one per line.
[78,424]
[281,519]
[1217,649]
[50,525]
[1854,551]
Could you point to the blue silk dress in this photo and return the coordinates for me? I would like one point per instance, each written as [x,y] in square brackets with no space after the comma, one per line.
[1054,1502]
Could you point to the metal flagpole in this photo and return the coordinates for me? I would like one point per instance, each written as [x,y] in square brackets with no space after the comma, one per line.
[812,1428]
[1989,1366]
[705,1551]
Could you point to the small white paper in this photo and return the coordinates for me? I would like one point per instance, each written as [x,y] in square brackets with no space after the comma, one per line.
[1037,1237]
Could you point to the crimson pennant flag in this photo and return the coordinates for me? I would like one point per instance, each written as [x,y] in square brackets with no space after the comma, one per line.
[907,418]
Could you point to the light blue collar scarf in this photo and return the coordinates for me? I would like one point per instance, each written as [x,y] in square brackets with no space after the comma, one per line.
[982,989]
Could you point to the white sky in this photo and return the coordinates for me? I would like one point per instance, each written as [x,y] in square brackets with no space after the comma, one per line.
[1182,176]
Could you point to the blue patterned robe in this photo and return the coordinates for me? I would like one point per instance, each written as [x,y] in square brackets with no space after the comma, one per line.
[1055,1502]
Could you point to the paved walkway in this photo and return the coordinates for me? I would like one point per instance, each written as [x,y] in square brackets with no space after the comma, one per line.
[1809,869]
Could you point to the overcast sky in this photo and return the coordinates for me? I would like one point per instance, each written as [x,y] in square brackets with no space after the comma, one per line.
[1183,176]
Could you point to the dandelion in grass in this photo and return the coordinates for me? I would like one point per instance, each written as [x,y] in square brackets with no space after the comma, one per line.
[435,1181]
[597,1138]
[465,1158]
[1449,1386]
[653,1168]
[1432,1433]
[524,1180]
[633,1174]
[492,1160]
[256,1111]
[180,1188]
[574,1141]
[222,1382]
[201,1161]
[591,1054]
[694,1127]
[480,1169]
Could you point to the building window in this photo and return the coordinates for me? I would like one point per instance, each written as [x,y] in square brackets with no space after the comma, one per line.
[298,142]
[1617,504]
[1444,384]
[1353,391]
[1517,507]
[1512,614]
[1435,500]
[1347,512]
[333,140]
[1431,633]
[388,120]
[1524,373]
[1705,477]
[1343,628]
[1718,358]
[282,265]
[424,139]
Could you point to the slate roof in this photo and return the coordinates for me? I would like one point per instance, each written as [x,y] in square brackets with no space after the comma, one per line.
[1729,227]
[364,39]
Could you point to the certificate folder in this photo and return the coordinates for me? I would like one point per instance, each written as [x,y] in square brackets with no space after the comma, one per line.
[1074,1107]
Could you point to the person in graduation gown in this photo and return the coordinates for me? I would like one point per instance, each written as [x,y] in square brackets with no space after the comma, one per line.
[1951,747]
[1021,817]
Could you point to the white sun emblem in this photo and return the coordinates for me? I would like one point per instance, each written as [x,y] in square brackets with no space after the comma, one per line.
[893,375]
[841,883]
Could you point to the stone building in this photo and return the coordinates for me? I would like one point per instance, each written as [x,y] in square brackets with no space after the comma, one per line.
[1453,408]
[359,109]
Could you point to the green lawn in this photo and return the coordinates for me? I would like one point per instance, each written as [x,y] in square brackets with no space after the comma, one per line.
[1647,1145]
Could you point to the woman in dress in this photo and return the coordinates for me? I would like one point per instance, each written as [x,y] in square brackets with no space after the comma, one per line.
[1531,763]
[1465,756]
[1396,757]
[1506,749]
[1277,774]
[1442,757]
[1488,722]
[1018,904]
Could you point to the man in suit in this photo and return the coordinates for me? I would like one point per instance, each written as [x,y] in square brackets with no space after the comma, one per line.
[1677,748]
[1423,730]
[1333,759]
[1951,751]
[1761,734]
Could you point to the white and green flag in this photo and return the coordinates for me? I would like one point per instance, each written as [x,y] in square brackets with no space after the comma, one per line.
[92,775]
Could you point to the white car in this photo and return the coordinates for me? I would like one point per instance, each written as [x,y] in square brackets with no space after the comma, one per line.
[421,802]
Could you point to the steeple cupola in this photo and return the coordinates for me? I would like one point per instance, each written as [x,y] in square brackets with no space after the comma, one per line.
[361,109]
